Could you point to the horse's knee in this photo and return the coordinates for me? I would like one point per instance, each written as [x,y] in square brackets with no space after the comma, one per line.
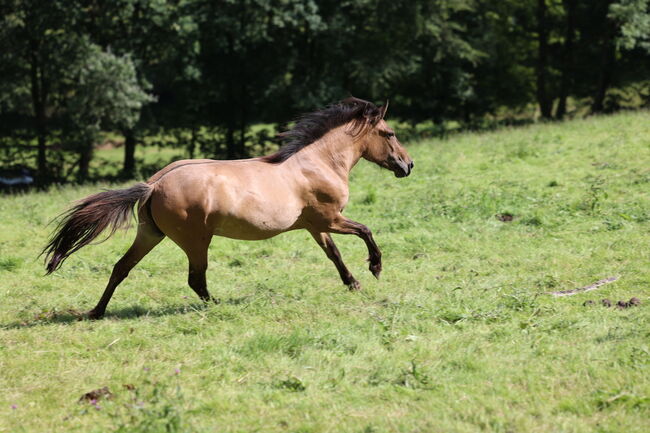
[365,231]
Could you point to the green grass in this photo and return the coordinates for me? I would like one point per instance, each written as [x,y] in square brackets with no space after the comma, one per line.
[459,334]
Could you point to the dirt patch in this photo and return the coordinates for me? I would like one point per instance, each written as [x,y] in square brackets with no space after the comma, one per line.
[96,395]
[53,314]
[606,302]
[505,217]
[633,302]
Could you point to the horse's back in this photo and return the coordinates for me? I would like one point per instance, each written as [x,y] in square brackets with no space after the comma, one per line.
[177,164]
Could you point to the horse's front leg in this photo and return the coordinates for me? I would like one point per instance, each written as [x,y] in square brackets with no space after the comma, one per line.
[324,240]
[344,225]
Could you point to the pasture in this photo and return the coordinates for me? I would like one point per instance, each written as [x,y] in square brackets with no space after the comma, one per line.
[458,335]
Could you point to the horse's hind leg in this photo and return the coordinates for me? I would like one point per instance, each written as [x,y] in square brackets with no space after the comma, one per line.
[147,238]
[197,255]
[194,239]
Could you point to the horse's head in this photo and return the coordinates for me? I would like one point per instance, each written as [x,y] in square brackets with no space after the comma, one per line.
[381,146]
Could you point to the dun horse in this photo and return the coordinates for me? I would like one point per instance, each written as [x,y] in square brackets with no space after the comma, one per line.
[302,186]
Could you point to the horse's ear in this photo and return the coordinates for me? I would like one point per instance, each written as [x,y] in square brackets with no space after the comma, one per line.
[351,100]
[383,109]
[371,113]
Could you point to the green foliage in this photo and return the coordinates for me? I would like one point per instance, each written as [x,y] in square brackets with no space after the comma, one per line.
[105,94]
[633,17]
[206,72]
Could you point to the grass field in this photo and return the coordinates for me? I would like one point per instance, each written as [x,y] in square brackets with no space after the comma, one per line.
[459,335]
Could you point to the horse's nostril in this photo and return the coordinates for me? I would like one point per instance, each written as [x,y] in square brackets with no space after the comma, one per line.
[412,164]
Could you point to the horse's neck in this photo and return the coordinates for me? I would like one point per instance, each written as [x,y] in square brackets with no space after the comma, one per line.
[336,149]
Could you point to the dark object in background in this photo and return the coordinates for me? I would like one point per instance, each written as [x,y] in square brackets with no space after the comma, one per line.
[17,177]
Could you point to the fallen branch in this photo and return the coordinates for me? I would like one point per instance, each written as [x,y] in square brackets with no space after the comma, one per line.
[588,288]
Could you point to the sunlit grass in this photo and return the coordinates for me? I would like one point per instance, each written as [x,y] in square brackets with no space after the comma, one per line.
[458,335]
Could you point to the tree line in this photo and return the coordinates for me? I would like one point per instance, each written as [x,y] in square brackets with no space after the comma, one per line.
[70,69]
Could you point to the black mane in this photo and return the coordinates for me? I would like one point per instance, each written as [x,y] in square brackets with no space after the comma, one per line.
[312,126]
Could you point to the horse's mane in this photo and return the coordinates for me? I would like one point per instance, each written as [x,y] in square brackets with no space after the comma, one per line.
[312,126]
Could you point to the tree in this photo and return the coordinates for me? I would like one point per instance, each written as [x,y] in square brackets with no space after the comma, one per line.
[633,20]
[245,47]
[567,57]
[159,36]
[217,67]
[543,99]
[36,46]
[105,95]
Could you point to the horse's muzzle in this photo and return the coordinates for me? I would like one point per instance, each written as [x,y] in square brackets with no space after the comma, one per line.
[402,169]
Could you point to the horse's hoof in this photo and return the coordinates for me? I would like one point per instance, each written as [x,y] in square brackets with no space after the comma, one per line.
[375,269]
[94,315]
[354,286]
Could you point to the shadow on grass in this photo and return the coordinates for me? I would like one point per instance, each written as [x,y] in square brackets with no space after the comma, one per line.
[125,313]
[54,317]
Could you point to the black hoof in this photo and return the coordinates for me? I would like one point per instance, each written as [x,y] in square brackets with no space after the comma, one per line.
[375,268]
[94,315]
[354,286]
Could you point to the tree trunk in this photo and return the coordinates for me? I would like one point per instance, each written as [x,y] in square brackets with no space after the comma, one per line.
[42,176]
[243,114]
[231,116]
[606,73]
[607,62]
[85,155]
[130,142]
[241,144]
[567,57]
[230,142]
[545,104]
[191,149]
[39,98]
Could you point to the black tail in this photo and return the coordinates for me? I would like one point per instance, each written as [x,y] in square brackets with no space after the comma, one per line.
[82,223]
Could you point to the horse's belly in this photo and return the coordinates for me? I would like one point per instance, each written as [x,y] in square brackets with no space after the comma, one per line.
[241,229]
[256,222]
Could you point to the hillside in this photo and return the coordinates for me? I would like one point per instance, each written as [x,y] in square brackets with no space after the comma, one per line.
[459,335]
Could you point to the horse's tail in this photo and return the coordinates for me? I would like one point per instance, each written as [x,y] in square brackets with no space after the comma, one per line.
[84,221]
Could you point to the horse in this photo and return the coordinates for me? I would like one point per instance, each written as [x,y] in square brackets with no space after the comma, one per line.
[304,185]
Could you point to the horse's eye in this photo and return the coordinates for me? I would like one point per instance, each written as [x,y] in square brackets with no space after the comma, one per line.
[390,134]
